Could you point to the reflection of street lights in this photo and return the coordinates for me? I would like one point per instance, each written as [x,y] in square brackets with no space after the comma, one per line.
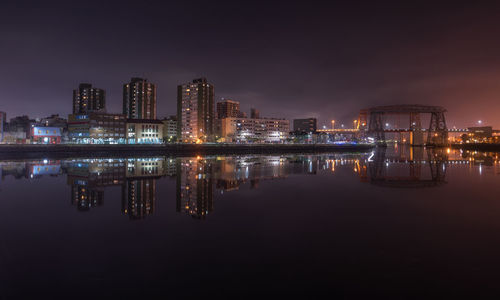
[333,124]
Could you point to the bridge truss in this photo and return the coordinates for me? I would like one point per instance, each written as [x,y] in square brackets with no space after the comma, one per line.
[437,132]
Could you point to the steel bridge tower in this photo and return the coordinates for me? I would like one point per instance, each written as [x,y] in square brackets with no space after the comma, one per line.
[437,134]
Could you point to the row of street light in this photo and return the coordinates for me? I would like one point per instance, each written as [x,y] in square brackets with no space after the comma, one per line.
[355,122]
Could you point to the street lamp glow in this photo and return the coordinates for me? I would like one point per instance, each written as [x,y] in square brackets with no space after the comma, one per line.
[386,124]
[480,122]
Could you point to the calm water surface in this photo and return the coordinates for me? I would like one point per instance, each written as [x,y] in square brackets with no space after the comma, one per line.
[400,223]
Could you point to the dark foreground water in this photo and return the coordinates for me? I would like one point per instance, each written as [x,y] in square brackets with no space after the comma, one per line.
[398,223]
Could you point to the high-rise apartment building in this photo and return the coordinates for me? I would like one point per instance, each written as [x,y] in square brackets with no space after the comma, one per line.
[195,111]
[3,117]
[87,99]
[139,99]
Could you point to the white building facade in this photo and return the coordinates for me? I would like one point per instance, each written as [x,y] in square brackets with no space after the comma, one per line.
[249,130]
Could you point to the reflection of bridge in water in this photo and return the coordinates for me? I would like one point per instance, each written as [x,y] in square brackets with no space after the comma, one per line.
[406,173]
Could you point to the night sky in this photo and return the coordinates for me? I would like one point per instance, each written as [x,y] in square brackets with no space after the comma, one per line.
[288,59]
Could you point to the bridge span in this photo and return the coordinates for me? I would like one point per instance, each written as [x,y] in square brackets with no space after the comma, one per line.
[437,132]
[396,130]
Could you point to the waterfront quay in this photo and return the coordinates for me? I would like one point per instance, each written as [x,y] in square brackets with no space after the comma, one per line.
[179,149]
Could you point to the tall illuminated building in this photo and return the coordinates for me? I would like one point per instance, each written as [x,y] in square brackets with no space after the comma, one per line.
[139,99]
[3,120]
[195,111]
[87,99]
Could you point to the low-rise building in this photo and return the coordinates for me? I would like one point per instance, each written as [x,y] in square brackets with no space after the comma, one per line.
[45,135]
[170,129]
[479,133]
[56,121]
[142,131]
[250,130]
[14,137]
[308,125]
[97,128]
[17,131]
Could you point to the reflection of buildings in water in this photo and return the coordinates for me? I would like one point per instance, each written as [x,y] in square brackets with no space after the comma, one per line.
[139,190]
[84,198]
[194,192]
[196,177]
[15,169]
[137,177]
[89,177]
[138,198]
[231,172]
[30,169]
[408,171]
[143,167]
[45,167]
[480,158]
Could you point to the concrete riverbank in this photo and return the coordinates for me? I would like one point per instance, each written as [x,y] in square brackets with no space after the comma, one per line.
[71,150]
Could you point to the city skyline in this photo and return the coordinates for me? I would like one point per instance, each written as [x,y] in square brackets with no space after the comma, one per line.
[188,149]
[304,62]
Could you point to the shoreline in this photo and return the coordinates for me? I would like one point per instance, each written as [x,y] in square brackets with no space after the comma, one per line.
[74,150]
